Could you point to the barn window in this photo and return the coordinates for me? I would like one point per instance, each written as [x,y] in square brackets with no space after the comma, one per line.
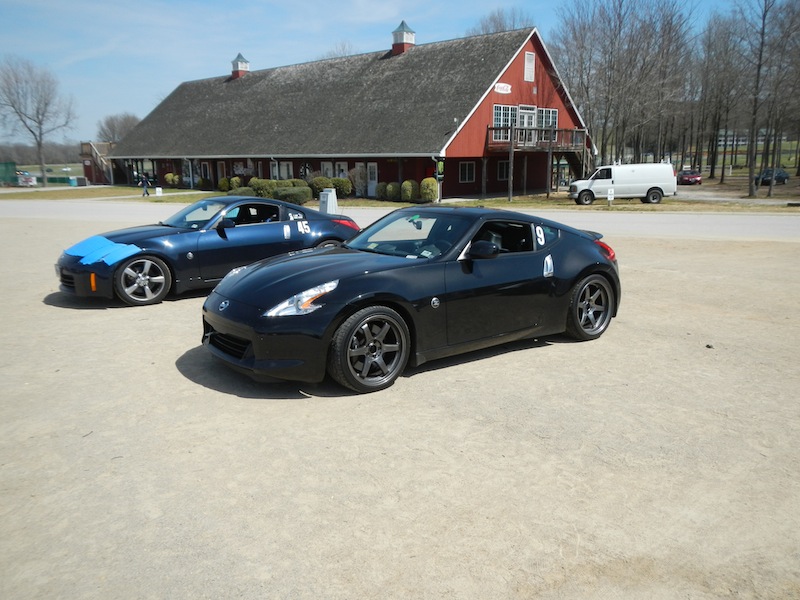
[466,172]
[530,66]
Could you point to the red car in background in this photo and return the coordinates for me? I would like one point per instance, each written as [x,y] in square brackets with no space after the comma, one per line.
[689,177]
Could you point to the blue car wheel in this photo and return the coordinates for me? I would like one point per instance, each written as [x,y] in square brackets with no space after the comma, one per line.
[143,280]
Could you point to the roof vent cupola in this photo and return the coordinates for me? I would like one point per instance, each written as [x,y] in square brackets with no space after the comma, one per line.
[241,66]
[403,38]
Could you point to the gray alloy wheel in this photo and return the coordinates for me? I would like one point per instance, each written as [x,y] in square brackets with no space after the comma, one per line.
[370,349]
[590,309]
[585,198]
[142,280]
[654,196]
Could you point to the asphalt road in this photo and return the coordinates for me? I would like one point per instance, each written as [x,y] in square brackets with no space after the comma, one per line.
[741,226]
[659,461]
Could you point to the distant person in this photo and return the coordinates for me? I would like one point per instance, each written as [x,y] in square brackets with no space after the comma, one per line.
[145,183]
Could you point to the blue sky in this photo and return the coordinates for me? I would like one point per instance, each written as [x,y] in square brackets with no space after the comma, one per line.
[118,57]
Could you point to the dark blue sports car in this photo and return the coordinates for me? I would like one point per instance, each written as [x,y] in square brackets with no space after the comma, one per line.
[194,248]
[420,284]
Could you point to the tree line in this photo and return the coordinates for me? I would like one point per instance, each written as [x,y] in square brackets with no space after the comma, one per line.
[650,82]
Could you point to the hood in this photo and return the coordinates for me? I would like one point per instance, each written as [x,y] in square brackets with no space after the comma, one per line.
[118,245]
[288,274]
[137,235]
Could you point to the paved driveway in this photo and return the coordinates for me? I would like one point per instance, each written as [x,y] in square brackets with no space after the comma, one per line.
[659,461]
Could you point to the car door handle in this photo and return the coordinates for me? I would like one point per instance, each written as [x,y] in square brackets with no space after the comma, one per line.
[548,270]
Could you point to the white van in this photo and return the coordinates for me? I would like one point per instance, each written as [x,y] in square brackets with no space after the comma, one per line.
[649,181]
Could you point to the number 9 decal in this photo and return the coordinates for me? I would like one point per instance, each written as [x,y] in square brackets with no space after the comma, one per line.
[540,235]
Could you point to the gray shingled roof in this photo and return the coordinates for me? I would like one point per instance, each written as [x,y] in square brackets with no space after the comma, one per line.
[368,104]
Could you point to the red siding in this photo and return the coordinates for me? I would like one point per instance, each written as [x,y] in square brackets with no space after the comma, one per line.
[542,93]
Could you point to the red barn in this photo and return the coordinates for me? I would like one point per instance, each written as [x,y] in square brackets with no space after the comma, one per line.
[492,108]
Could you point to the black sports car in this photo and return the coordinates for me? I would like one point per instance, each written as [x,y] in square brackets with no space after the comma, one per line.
[419,284]
[194,248]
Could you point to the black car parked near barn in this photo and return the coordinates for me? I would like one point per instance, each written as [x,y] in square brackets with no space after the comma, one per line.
[419,284]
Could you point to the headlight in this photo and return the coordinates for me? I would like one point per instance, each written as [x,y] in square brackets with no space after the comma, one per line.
[302,303]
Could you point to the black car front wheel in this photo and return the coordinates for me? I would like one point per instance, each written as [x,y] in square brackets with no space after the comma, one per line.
[591,308]
[370,349]
[143,280]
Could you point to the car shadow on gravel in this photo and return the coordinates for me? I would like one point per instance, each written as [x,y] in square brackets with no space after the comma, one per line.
[65,300]
[478,355]
[198,366]
[62,300]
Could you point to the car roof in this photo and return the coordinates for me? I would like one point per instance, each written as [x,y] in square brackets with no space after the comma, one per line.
[484,213]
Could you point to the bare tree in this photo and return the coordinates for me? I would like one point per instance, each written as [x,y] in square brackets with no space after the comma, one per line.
[755,17]
[501,19]
[340,50]
[621,58]
[30,101]
[115,127]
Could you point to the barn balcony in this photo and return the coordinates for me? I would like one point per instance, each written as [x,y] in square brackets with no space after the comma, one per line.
[569,145]
[536,139]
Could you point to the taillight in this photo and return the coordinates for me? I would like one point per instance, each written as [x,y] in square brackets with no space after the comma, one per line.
[607,250]
[347,223]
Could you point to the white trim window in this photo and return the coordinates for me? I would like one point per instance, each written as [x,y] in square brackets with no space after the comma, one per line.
[466,172]
[273,170]
[286,170]
[504,116]
[530,66]
[502,170]
[547,118]
[326,168]
[341,169]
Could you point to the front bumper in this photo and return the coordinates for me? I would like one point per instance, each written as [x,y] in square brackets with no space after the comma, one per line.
[75,278]
[284,348]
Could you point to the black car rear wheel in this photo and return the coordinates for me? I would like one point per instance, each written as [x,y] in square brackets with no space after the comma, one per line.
[370,349]
[591,308]
[143,280]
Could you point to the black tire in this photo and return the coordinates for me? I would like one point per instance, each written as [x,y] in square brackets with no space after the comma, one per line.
[590,309]
[142,280]
[654,196]
[585,198]
[328,244]
[369,350]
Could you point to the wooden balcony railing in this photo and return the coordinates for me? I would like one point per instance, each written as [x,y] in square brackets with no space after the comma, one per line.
[535,139]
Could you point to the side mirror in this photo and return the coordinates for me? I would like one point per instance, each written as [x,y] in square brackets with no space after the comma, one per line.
[226,223]
[483,249]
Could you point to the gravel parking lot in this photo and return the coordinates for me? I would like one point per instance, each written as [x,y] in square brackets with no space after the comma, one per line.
[660,461]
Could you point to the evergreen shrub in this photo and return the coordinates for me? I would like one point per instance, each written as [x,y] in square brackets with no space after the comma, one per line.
[295,195]
[409,191]
[429,189]
[393,191]
[343,186]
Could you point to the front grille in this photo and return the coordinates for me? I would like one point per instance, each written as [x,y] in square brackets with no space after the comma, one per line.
[67,280]
[229,344]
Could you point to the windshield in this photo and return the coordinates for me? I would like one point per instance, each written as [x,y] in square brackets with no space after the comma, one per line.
[412,235]
[196,215]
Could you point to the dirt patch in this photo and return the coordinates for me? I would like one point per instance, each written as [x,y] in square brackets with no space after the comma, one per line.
[659,461]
